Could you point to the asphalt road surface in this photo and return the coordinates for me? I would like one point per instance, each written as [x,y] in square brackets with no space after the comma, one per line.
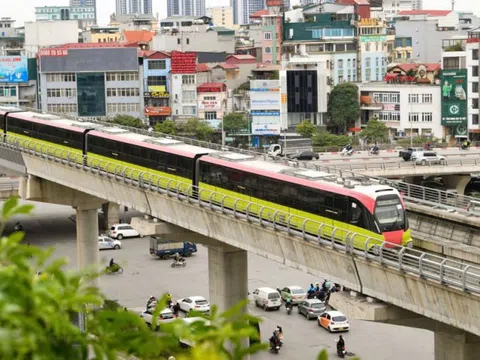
[144,276]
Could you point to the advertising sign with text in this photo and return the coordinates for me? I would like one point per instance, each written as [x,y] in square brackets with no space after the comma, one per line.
[266,129]
[454,97]
[13,69]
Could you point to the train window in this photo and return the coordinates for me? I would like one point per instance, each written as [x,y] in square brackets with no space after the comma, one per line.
[356,213]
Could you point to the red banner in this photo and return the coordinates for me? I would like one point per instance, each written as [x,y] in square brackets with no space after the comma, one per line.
[183,62]
[157,110]
[53,52]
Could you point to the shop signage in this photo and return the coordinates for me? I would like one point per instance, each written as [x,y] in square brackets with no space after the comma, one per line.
[157,111]
[373,38]
[369,22]
[53,52]
[209,104]
[183,62]
[13,69]
[265,113]
[156,94]
[266,129]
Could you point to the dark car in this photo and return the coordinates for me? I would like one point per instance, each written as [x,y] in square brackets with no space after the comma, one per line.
[407,154]
[305,155]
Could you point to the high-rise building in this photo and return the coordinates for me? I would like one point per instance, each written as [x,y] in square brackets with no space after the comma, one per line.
[125,7]
[86,5]
[221,16]
[243,8]
[186,8]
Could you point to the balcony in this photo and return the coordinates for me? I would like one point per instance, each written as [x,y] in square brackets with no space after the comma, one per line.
[318,29]
[367,103]
[453,45]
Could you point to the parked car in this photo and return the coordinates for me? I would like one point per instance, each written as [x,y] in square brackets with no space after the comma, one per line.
[333,321]
[106,243]
[407,154]
[305,155]
[120,231]
[311,308]
[166,315]
[296,293]
[427,157]
[194,303]
[267,298]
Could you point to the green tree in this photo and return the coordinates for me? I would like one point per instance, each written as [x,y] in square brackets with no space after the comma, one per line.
[234,123]
[306,129]
[127,120]
[344,105]
[375,131]
[37,310]
[200,129]
[166,127]
[324,139]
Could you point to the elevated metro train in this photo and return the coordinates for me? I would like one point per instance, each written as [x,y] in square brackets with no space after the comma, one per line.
[371,210]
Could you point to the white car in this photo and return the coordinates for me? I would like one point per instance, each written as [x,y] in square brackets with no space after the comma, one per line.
[194,303]
[106,243]
[333,321]
[166,315]
[296,293]
[427,158]
[120,231]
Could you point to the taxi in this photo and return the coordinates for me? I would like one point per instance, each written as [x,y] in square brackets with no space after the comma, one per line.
[333,321]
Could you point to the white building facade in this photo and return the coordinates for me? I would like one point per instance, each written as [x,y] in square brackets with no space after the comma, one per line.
[405,109]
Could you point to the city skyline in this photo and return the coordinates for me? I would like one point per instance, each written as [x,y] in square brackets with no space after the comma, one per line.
[25,10]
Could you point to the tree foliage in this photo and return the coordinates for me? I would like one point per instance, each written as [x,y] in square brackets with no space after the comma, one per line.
[127,120]
[375,131]
[235,122]
[166,127]
[343,105]
[324,138]
[306,129]
[418,141]
[200,129]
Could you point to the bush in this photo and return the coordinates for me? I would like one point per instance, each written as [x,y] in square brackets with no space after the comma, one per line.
[127,120]
[323,138]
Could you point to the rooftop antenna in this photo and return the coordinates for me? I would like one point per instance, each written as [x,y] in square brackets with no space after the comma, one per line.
[453,5]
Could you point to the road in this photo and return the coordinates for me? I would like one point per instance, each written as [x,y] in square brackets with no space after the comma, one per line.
[144,276]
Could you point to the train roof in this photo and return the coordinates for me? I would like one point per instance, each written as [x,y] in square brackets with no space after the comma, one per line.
[47,119]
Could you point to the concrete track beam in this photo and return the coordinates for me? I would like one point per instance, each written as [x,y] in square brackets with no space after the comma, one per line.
[457,182]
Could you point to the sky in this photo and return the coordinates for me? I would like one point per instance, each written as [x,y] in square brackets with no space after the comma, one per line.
[23,10]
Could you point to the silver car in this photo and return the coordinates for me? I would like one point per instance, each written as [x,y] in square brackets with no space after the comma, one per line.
[427,157]
[311,308]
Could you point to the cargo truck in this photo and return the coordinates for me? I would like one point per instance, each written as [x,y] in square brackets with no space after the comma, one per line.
[166,248]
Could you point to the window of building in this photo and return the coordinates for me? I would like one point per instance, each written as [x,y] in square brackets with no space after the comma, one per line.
[367,62]
[267,35]
[125,76]
[91,94]
[475,87]
[210,115]
[340,64]
[413,117]
[157,81]
[474,54]
[474,103]
[368,74]
[8,91]
[123,107]
[210,98]
[62,77]
[388,116]
[474,70]
[427,117]
[268,49]
[188,41]
[189,95]
[474,119]
[157,65]
[188,79]
[367,46]
[413,98]
[451,63]
[189,110]
[124,92]
[178,41]
[386,98]
[62,108]
[57,93]
[427,98]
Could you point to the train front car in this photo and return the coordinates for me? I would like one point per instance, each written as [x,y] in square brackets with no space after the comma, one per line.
[391,218]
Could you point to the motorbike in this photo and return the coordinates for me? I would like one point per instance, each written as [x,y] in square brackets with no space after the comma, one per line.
[374,151]
[179,263]
[114,269]
[274,349]
[346,152]
[18,227]
[289,309]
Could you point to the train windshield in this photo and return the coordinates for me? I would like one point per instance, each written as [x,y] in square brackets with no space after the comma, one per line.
[389,213]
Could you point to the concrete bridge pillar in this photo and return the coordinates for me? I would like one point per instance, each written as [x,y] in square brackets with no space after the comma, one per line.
[87,237]
[227,276]
[111,213]
[457,182]
[456,345]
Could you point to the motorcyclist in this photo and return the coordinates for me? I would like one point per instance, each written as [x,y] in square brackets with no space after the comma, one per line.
[340,344]
[317,287]
[428,146]
[374,149]
[112,262]
[176,309]
[18,226]
[311,290]
[280,336]
[150,302]
[288,302]
[274,341]
[177,258]
[169,299]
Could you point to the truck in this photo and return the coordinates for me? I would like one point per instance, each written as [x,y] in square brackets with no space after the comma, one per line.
[166,248]
[290,147]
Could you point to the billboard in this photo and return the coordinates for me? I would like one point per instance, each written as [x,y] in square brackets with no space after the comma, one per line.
[454,97]
[266,129]
[157,110]
[13,69]
[183,62]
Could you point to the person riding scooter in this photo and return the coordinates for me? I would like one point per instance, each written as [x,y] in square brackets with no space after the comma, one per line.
[274,342]
[374,150]
[288,304]
[18,226]
[311,291]
[151,303]
[279,332]
[341,346]
[178,258]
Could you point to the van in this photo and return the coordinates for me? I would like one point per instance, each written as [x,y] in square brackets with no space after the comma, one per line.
[267,298]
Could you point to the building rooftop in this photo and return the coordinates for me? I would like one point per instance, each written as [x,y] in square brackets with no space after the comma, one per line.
[242,57]
[407,67]
[226,66]
[267,67]
[88,45]
[222,30]
[151,53]
[258,14]
[186,18]
[425,12]
[202,68]
[138,36]
[219,85]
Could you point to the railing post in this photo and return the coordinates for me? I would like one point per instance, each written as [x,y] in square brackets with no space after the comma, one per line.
[381,252]
[420,265]
[235,208]
[223,203]
[275,219]
[442,264]
[464,277]
[288,224]
[332,238]
[210,200]
[247,211]
[303,228]
[260,215]
[400,258]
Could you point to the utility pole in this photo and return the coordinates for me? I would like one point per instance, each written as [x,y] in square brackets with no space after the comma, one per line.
[453,5]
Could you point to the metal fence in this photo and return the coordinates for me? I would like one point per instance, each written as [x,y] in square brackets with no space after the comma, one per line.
[424,265]
[418,194]
[393,165]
